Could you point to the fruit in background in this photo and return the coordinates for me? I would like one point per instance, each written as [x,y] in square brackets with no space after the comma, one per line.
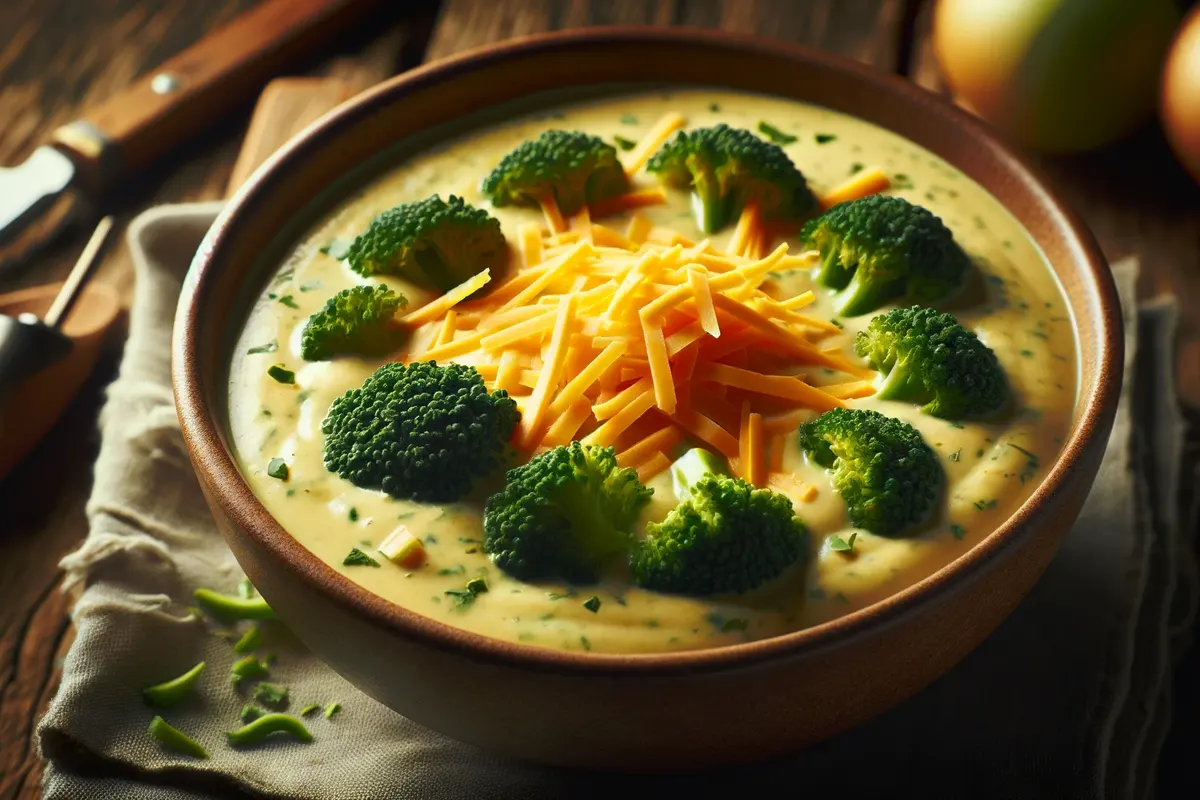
[1055,75]
[1180,104]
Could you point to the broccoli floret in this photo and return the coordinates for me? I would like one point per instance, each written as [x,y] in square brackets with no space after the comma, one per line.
[566,514]
[728,168]
[355,321]
[433,243]
[887,476]
[879,247]
[570,167]
[930,359]
[422,431]
[724,537]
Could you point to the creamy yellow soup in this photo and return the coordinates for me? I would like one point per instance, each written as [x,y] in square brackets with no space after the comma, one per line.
[1015,306]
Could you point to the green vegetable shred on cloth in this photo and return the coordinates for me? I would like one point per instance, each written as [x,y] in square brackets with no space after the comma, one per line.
[1065,700]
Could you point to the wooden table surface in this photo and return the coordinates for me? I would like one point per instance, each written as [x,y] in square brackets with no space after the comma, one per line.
[57,56]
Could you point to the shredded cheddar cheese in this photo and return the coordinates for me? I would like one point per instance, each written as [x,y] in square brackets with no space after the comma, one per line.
[644,340]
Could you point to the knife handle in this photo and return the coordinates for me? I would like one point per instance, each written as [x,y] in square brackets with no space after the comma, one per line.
[187,93]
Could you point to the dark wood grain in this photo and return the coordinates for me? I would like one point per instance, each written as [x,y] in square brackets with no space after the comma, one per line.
[51,72]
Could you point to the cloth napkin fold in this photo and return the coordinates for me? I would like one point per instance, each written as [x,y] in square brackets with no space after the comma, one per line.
[1069,698]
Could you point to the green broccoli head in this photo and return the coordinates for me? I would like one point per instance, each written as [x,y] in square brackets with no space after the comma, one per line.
[887,476]
[572,168]
[928,358]
[422,431]
[355,321]
[879,247]
[728,168]
[724,537]
[566,514]
[434,243]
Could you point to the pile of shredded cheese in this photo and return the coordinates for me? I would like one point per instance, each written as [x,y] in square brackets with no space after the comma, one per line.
[642,339]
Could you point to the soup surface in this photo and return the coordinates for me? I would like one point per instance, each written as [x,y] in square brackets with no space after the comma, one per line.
[1015,306]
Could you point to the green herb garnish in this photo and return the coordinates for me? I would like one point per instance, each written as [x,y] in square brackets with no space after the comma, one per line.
[843,545]
[774,134]
[281,373]
[623,143]
[269,347]
[289,301]
[278,468]
[592,604]
[357,558]
[825,138]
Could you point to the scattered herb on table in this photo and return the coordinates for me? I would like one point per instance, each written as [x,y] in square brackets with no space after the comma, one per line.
[357,558]
[168,693]
[250,713]
[281,373]
[248,668]
[270,694]
[309,710]
[774,134]
[174,739]
[231,609]
[332,709]
[592,604]
[258,730]
[249,642]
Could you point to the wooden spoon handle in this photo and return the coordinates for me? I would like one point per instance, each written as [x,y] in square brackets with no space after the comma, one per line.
[224,69]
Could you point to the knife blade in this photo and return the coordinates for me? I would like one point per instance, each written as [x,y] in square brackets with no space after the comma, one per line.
[127,133]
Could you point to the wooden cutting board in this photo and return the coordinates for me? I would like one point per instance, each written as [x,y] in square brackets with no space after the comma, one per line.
[286,107]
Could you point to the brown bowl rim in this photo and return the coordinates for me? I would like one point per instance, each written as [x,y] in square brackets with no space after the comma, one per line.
[229,489]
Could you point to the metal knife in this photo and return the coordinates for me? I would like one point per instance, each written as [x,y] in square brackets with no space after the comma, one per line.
[130,131]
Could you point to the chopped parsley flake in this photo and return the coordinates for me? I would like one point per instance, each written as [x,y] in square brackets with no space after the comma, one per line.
[856,167]
[1027,353]
[584,643]
[714,107]
[353,514]
[357,558]
[841,545]
[629,119]
[289,301]
[958,531]
[1032,462]
[774,134]
[269,347]
[825,138]
[278,468]
[623,143]
[984,505]
[956,455]
[455,570]
[901,181]
[281,374]
[592,604]
[836,323]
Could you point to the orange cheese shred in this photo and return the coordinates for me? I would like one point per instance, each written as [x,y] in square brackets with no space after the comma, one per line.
[867,182]
[551,374]
[639,198]
[435,308]
[658,133]
[652,466]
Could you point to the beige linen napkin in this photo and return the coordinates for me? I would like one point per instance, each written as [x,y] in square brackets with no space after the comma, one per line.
[1068,699]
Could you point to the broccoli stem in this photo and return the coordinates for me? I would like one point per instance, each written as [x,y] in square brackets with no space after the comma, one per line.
[832,273]
[693,465]
[900,384]
[864,294]
[168,693]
